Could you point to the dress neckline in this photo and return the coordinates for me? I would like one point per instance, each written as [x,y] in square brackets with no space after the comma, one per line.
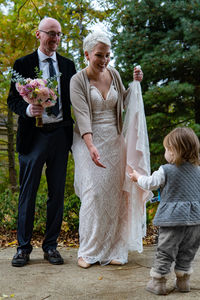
[112,82]
[104,99]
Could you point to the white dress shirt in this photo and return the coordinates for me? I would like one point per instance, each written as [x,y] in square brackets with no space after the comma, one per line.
[44,67]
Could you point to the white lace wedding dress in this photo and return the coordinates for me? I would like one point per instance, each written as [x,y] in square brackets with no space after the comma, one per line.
[103,215]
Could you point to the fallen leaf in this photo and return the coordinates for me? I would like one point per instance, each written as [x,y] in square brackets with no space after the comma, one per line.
[100,278]
[12,243]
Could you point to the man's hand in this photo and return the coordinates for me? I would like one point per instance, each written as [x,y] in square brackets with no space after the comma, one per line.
[36,110]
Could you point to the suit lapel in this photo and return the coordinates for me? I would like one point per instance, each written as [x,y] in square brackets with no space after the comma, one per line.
[28,65]
[62,69]
[35,62]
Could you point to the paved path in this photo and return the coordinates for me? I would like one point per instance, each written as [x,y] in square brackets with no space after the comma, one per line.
[40,281]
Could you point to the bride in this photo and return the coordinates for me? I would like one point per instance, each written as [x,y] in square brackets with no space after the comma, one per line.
[97,96]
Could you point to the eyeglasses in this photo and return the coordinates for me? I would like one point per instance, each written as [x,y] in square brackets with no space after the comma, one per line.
[53,33]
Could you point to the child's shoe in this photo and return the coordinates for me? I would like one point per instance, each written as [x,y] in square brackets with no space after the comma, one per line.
[182,283]
[157,286]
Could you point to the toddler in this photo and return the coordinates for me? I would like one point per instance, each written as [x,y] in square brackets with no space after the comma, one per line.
[178,214]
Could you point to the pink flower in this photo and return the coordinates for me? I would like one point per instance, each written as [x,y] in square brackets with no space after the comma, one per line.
[52,95]
[29,100]
[42,93]
[34,83]
[48,103]
[19,87]
[36,91]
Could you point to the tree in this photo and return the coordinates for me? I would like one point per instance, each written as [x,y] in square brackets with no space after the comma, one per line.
[18,22]
[163,37]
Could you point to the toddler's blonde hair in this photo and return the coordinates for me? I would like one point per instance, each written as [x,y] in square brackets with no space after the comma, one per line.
[184,144]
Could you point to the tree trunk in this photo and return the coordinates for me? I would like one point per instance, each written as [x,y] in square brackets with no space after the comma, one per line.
[197,105]
[11,152]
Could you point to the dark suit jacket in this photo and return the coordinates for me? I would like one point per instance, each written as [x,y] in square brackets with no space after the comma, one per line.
[26,125]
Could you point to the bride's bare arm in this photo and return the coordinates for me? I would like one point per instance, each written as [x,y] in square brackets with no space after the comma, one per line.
[92,149]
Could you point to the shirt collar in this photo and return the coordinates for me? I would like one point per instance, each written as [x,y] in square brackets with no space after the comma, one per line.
[43,57]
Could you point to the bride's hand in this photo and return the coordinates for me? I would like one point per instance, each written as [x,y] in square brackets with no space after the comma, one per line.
[95,156]
[137,74]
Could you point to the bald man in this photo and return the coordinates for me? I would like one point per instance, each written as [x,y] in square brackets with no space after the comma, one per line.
[48,145]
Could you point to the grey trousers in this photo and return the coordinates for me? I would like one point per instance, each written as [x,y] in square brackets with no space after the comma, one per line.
[177,244]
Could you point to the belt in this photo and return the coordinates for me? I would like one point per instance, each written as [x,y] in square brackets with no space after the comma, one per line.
[48,127]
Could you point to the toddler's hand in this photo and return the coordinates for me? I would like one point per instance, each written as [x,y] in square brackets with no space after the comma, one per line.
[134,176]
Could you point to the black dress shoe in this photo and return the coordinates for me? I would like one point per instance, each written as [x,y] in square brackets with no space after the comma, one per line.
[20,259]
[54,257]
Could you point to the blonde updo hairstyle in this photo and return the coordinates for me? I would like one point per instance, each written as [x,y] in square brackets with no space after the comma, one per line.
[184,144]
[92,39]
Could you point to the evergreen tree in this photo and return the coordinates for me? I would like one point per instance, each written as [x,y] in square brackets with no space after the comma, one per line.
[164,38]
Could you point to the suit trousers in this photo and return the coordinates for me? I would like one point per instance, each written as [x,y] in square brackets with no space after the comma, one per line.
[177,244]
[50,149]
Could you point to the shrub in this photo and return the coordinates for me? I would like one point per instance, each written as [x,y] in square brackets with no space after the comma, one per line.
[71,212]
[8,209]
[150,211]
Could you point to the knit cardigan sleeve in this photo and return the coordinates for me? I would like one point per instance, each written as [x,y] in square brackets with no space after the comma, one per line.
[80,103]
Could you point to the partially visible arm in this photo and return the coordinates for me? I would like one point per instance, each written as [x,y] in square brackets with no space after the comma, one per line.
[153,182]
[82,115]
[80,105]
[137,74]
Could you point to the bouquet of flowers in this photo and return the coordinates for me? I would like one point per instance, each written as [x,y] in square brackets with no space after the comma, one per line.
[37,91]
